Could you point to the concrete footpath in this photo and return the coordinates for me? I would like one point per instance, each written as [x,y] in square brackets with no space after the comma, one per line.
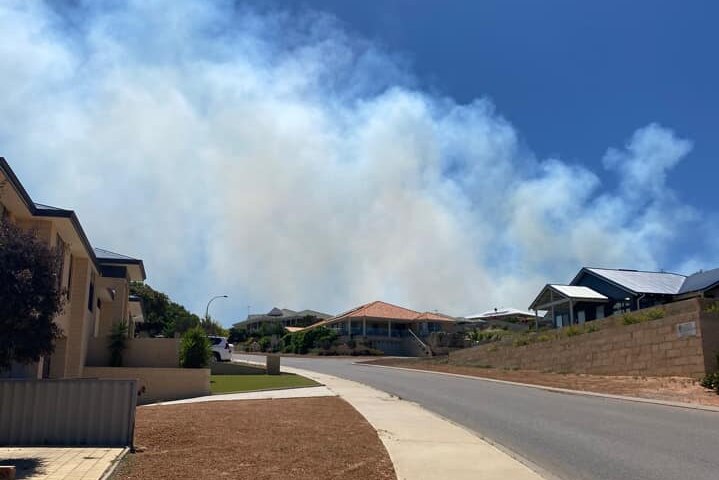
[422,445]
[297,392]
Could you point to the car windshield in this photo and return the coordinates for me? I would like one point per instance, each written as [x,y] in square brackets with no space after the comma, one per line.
[215,340]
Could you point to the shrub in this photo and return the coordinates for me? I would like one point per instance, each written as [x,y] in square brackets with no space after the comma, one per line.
[303,341]
[195,349]
[643,316]
[713,308]
[573,331]
[711,381]
[489,335]
[117,343]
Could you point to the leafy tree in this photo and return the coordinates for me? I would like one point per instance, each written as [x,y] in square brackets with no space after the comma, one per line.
[212,327]
[305,340]
[162,316]
[195,349]
[30,296]
[237,335]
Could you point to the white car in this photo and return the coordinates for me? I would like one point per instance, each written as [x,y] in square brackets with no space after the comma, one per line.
[221,349]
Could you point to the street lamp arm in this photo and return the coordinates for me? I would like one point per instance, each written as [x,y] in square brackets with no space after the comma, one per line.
[207,309]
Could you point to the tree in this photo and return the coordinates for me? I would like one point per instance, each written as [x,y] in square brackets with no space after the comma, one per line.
[237,335]
[30,296]
[162,316]
[212,327]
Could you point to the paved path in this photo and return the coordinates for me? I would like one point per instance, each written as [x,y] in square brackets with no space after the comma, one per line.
[302,392]
[48,463]
[422,445]
[574,437]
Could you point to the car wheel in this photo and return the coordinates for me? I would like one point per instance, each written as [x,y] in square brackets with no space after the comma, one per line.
[215,357]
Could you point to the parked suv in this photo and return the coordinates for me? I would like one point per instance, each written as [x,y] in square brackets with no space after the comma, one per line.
[221,349]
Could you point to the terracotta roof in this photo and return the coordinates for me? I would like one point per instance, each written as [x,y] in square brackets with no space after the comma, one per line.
[379,310]
[434,317]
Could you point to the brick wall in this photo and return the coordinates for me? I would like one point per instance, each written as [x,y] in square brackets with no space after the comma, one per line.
[649,348]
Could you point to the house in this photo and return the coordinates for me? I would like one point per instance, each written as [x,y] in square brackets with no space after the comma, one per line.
[509,318]
[96,281]
[394,330]
[282,316]
[595,293]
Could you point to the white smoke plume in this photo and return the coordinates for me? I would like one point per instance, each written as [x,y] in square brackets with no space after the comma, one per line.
[276,157]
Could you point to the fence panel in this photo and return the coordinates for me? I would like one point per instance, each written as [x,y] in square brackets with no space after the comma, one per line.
[93,412]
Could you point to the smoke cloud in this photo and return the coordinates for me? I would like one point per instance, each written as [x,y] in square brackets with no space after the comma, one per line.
[275,157]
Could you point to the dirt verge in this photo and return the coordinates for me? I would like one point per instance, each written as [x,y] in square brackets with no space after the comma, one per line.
[307,438]
[672,389]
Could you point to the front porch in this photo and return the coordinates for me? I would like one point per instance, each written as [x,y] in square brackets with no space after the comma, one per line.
[570,305]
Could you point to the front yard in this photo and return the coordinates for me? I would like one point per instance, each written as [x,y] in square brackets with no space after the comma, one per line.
[307,438]
[247,383]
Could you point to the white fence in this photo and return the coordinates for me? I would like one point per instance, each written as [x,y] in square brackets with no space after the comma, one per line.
[93,412]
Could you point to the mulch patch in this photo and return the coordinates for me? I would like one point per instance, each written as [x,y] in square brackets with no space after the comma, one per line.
[672,389]
[306,438]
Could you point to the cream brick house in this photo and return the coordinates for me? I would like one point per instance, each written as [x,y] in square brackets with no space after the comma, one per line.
[96,281]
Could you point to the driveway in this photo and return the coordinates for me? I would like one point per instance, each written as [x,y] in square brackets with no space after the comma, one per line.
[573,437]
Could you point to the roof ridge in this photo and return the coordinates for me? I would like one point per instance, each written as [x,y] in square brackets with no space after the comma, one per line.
[634,270]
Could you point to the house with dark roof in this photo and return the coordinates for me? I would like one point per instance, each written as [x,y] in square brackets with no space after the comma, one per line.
[595,293]
[96,281]
[283,316]
[390,328]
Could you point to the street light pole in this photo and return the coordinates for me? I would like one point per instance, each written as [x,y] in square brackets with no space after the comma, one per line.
[207,310]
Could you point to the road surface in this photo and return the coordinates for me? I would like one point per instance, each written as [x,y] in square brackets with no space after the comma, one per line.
[572,437]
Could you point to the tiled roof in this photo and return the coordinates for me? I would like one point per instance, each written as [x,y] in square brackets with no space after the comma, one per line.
[380,310]
[434,317]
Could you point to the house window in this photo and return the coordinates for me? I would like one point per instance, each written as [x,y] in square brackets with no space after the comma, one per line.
[60,246]
[97,318]
[69,279]
[91,295]
[600,312]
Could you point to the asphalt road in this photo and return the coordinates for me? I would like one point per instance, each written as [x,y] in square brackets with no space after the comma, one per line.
[573,437]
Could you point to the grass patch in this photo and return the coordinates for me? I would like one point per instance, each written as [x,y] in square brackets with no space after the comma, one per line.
[248,383]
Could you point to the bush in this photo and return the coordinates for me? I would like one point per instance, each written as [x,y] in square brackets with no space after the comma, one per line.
[711,381]
[117,343]
[643,316]
[489,335]
[713,308]
[195,349]
[303,341]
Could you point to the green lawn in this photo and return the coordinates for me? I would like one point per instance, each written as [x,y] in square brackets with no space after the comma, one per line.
[247,383]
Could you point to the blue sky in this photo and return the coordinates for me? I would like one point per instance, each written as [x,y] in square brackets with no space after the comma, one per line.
[573,77]
[440,155]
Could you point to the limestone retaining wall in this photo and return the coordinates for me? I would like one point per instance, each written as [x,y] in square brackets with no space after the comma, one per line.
[656,347]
